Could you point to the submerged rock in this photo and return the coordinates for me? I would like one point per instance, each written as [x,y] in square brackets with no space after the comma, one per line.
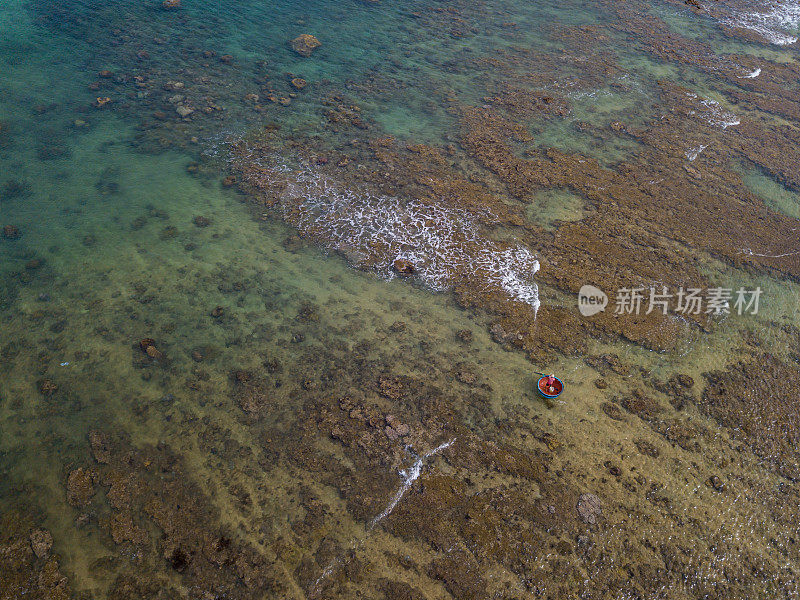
[11,232]
[403,267]
[100,446]
[183,111]
[81,486]
[589,508]
[41,543]
[305,44]
[148,346]
[47,387]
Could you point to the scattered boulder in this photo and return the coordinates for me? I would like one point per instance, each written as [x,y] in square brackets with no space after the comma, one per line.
[501,336]
[47,387]
[589,508]
[11,232]
[466,376]
[403,267]
[390,387]
[253,399]
[101,449]
[465,336]
[640,404]
[607,363]
[148,346]
[305,44]
[41,543]
[183,110]
[81,486]
[646,448]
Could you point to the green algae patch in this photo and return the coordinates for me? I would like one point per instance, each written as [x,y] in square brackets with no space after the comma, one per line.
[549,208]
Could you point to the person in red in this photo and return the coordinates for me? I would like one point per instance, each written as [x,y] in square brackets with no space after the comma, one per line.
[551,379]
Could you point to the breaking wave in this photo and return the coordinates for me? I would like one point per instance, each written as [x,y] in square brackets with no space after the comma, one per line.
[442,243]
[774,24]
[714,114]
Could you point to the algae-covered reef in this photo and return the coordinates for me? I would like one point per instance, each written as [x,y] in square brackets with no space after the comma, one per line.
[277,282]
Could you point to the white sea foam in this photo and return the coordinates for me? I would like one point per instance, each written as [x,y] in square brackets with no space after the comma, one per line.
[718,116]
[442,243]
[693,153]
[749,252]
[752,75]
[714,114]
[776,23]
[409,476]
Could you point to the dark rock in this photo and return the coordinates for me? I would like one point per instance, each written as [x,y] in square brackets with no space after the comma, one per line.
[716,483]
[178,559]
[148,346]
[305,44]
[170,231]
[640,404]
[81,486]
[613,411]
[399,590]
[47,387]
[10,232]
[403,267]
[100,446]
[646,448]
[41,543]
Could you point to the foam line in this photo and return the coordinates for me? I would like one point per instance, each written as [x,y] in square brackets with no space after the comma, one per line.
[773,24]
[409,476]
[442,243]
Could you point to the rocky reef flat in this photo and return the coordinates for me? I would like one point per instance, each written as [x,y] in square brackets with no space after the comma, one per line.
[276,281]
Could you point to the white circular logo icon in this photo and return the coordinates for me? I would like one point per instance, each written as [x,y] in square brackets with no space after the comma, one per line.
[591,300]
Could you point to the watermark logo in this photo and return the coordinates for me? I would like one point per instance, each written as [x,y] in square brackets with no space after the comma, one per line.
[591,300]
[690,301]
